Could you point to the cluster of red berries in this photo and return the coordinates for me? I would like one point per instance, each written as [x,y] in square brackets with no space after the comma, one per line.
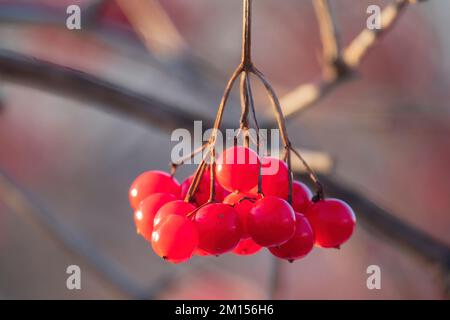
[240,219]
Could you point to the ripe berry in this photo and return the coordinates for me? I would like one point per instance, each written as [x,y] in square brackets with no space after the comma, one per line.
[275,178]
[301,197]
[146,211]
[333,222]
[300,244]
[175,238]
[237,169]
[246,247]
[152,182]
[242,203]
[271,221]
[201,196]
[218,228]
[178,207]
[201,253]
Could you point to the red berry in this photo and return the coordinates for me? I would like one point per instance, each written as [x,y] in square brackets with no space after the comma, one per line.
[300,244]
[271,221]
[301,197]
[178,207]
[201,253]
[242,203]
[237,169]
[151,182]
[275,178]
[201,196]
[146,211]
[246,247]
[175,238]
[333,222]
[218,228]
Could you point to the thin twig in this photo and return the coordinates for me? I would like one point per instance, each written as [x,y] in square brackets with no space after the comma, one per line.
[22,202]
[332,60]
[307,95]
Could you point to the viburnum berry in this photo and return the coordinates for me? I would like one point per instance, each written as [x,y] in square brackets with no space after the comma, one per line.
[201,196]
[218,228]
[301,197]
[242,203]
[178,207]
[300,244]
[333,222]
[275,178]
[146,211]
[271,221]
[175,238]
[237,169]
[246,247]
[151,182]
[200,252]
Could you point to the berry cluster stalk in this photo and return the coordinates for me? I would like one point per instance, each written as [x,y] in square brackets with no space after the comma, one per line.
[244,70]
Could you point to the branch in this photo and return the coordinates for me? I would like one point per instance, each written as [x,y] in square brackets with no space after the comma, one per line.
[308,95]
[388,225]
[332,60]
[111,97]
[154,27]
[26,206]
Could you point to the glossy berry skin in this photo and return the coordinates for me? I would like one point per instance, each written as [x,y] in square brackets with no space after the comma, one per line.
[300,244]
[242,203]
[178,207]
[271,221]
[301,197]
[146,211]
[175,239]
[151,182]
[333,222]
[246,247]
[237,169]
[218,228]
[201,253]
[201,196]
[275,178]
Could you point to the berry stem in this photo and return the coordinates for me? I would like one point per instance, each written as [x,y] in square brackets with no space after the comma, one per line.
[247,36]
[174,165]
[196,180]
[212,175]
[319,187]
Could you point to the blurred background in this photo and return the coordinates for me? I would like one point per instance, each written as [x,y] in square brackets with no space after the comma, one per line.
[71,143]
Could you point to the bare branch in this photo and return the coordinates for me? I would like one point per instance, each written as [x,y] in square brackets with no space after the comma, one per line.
[307,95]
[387,224]
[154,26]
[27,207]
[62,80]
[332,64]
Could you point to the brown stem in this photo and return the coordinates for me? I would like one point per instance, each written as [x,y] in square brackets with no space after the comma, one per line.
[174,165]
[247,35]
[212,189]
[319,187]
[281,124]
[196,180]
[248,89]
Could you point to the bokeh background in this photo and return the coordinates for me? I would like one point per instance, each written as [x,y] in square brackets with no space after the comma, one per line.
[387,131]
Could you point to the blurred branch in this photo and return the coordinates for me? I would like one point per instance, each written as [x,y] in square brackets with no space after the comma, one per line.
[389,226]
[154,26]
[27,207]
[62,80]
[337,68]
[332,60]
